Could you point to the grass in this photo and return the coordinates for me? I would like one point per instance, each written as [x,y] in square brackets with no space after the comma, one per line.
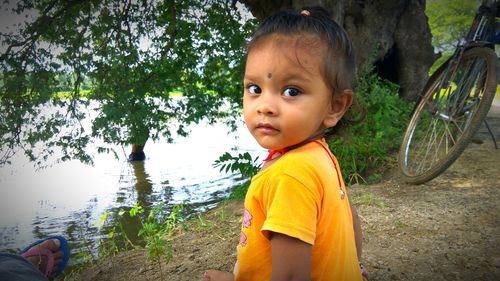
[368,199]
[399,224]
[203,223]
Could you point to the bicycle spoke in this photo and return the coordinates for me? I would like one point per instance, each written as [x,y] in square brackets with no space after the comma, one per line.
[434,144]
[450,134]
[443,139]
[457,126]
[426,147]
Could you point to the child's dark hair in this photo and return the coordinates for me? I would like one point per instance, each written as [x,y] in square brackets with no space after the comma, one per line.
[340,67]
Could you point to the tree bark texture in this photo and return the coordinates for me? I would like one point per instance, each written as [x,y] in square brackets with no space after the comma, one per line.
[393,35]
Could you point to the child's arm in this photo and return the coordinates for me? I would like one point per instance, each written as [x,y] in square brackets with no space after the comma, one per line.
[291,258]
[358,237]
[358,232]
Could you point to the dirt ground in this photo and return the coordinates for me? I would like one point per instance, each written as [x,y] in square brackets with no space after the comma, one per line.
[446,229]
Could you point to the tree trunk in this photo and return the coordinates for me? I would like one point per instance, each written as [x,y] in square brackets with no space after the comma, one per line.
[137,153]
[393,35]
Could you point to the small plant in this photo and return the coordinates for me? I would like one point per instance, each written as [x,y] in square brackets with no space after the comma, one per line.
[243,163]
[122,231]
[203,223]
[155,229]
[107,247]
[90,251]
[85,254]
[222,212]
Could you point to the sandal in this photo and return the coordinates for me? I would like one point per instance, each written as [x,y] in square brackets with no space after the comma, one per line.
[32,251]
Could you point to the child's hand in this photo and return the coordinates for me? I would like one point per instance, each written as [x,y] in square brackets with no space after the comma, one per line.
[217,275]
[364,273]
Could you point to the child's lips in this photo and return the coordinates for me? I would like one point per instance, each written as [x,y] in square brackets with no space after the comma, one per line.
[266,128]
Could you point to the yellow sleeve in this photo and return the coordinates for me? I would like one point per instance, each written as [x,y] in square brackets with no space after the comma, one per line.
[291,208]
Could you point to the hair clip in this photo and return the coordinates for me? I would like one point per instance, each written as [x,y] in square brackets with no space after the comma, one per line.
[305,13]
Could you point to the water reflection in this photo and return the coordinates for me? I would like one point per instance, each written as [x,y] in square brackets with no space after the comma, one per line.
[70,198]
[143,185]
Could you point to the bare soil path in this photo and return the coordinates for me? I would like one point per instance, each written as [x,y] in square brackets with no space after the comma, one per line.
[446,229]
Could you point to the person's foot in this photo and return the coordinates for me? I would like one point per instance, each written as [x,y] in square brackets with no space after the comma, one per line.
[217,275]
[41,261]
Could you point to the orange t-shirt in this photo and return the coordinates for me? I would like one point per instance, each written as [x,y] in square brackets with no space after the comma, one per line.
[301,195]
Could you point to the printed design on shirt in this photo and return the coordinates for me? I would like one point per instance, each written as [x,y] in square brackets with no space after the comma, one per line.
[243,239]
[247,221]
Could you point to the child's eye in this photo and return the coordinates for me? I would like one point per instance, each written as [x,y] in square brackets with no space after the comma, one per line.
[291,92]
[254,89]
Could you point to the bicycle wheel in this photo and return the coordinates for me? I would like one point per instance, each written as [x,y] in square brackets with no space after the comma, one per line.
[454,104]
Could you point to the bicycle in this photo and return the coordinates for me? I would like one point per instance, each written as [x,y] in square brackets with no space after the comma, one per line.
[454,102]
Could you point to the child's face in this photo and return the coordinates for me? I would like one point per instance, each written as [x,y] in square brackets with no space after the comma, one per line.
[286,99]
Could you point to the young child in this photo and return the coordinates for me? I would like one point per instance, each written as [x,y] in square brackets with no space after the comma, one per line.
[297,222]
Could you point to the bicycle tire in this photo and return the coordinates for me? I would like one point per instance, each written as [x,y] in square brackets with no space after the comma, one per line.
[440,129]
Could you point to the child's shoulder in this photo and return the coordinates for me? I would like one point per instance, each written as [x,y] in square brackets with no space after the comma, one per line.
[314,152]
[309,165]
[310,157]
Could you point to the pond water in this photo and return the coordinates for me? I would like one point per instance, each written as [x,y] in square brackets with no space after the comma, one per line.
[70,198]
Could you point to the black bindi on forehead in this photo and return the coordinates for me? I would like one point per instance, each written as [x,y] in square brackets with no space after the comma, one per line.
[269,75]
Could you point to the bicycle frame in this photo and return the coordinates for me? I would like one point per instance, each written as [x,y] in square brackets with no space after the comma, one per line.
[482,28]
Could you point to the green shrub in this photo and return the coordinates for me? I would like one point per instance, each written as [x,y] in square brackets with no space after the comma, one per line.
[239,191]
[368,144]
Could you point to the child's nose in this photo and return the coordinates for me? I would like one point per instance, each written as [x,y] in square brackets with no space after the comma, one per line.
[267,105]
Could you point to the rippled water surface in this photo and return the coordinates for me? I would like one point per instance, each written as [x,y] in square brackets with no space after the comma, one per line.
[69,198]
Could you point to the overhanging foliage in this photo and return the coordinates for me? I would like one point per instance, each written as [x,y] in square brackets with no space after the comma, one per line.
[134,53]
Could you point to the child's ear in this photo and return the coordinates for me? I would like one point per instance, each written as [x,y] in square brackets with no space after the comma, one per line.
[340,104]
